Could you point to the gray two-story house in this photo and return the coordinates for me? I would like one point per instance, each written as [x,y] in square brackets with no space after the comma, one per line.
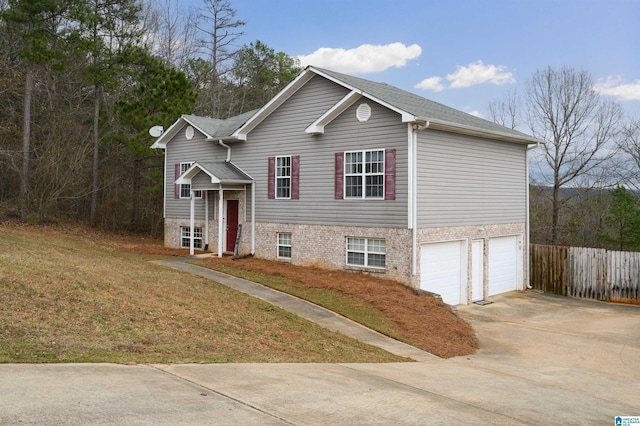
[342,172]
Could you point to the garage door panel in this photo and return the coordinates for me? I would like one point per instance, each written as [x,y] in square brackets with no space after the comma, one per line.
[441,270]
[503,264]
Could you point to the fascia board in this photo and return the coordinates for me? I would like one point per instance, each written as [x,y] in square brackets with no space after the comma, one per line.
[317,127]
[207,135]
[273,104]
[473,131]
[191,172]
[161,142]
[406,116]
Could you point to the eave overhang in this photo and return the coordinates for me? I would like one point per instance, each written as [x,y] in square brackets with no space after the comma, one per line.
[221,172]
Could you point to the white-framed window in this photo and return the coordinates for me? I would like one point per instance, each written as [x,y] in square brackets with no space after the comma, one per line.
[364,174]
[284,245]
[368,252]
[185,188]
[185,237]
[283,177]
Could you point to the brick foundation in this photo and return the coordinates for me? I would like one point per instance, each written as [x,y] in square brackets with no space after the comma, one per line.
[325,246]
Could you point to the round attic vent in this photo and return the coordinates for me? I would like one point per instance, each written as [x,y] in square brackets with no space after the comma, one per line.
[188,133]
[363,113]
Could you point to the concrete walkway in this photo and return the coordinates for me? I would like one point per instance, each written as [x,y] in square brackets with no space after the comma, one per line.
[324,317]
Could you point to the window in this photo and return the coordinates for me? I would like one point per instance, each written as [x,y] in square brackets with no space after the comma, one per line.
[364,174]
[283,177]
[366,252]
[284,245]
[185,240]
[185,188]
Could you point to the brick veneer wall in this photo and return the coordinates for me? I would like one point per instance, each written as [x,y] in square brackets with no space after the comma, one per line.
[325,246]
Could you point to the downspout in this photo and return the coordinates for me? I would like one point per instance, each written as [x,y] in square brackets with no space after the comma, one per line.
[413,192]
[228,150]
[528,227]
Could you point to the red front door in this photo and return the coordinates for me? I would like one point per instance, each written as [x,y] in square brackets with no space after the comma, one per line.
[232,224]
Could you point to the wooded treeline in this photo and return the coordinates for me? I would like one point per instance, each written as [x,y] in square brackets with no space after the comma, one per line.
[81,83]
[586,174]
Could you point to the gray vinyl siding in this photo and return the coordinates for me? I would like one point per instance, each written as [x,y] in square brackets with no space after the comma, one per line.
[282,133]
[180,150]
[463,180]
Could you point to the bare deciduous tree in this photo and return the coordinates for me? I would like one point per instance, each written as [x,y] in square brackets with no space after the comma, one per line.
[630,146]
[220,28]
[506,112]
[171,32]
[580,128]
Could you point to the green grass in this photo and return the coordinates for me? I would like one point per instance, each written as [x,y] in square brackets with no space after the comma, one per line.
[78,298]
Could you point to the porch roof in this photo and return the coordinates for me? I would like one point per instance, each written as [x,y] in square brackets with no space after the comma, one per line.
[221,172]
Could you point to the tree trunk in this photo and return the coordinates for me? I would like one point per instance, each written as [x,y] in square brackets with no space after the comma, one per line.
[554,215]
[26,139]
[135,206]
[96,145]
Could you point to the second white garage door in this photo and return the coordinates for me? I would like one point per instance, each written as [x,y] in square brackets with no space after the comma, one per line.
[503,264]
[441,270]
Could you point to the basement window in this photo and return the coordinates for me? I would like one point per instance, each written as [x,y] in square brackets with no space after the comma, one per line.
[366,252]
[185,237]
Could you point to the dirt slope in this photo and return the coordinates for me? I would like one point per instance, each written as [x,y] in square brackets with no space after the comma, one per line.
[421,319]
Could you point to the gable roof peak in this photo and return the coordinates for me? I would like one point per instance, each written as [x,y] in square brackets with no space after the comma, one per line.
[423,109]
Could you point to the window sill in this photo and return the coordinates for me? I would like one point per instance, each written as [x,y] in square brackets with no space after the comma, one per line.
[369,269]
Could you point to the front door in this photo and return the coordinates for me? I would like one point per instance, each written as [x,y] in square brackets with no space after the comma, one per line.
[232,224]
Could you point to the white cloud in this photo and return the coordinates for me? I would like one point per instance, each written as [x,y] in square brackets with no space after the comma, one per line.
[471,75]
[366,58]
[478,73]
[613,86]
[476,113]
[431,83]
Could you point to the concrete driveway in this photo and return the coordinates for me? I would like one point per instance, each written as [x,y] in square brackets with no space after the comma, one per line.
[544,360]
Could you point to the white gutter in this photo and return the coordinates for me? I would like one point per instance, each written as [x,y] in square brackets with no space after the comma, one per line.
[528,227]
[228,150]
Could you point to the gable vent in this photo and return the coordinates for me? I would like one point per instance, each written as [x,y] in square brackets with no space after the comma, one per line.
[363,113]
[188,133]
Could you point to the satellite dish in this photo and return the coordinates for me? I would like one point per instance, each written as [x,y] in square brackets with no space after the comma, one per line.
[156,131]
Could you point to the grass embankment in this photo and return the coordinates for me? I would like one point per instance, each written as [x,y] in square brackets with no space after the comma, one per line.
[81,296]
[387,306]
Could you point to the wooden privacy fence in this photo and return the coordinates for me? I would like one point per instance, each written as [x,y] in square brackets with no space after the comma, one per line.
[586,272]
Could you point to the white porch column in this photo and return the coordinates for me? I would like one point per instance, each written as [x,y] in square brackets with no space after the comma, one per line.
[253,218]
[206,218]
[220,220]
[192,221]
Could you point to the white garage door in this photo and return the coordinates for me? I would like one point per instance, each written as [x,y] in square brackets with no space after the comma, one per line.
[441,270]
[503,264]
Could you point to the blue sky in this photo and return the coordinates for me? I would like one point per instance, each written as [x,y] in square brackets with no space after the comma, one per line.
[460,53]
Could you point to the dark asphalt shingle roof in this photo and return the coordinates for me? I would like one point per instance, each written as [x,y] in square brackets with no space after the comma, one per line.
[419,106]
[218,128]
[225,171]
